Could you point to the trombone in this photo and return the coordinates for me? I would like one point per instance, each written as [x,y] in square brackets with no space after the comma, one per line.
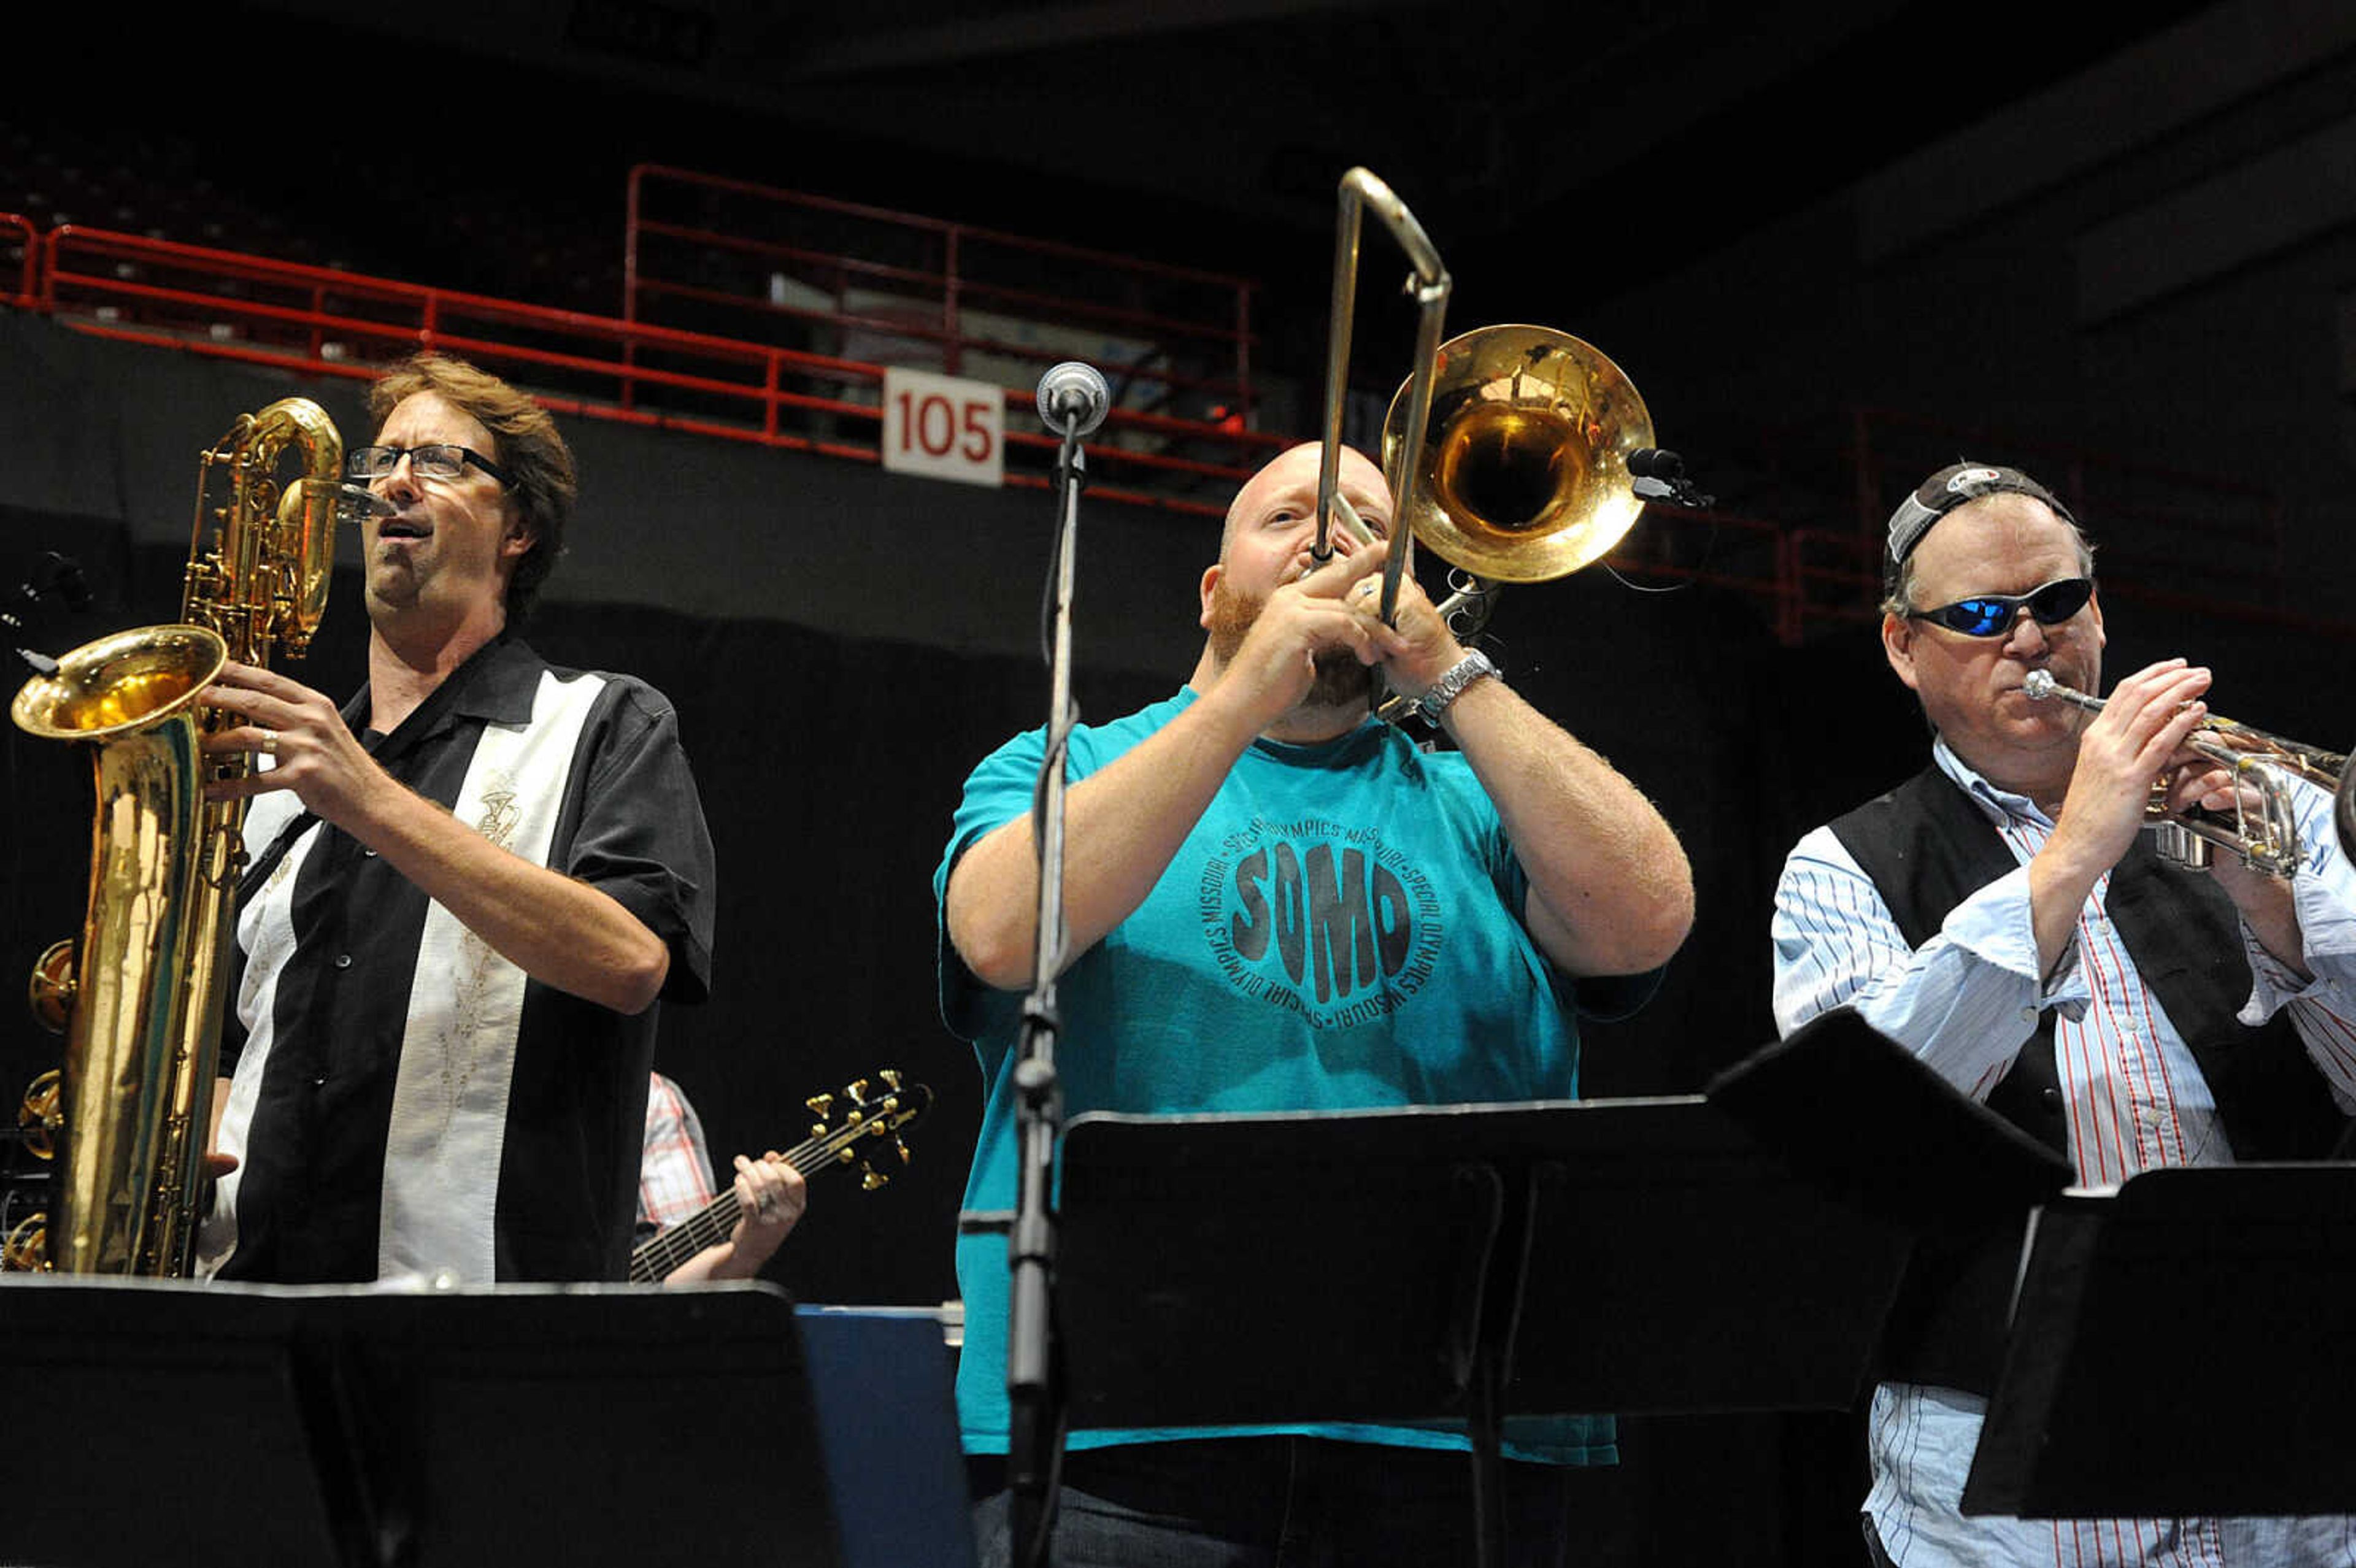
[2264,834]
[1506,449]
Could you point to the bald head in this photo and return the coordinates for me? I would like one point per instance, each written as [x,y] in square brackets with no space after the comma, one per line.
[1292,473]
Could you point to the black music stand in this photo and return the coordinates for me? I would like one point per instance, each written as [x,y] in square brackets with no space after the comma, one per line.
[2181,1347]
[1457,1264]
[358,1428]
[1873,1125]
[1857,1112]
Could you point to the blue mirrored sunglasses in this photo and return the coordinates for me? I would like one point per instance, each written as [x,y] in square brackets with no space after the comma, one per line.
[1993,614]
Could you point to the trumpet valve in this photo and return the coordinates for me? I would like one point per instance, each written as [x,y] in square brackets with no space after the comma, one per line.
[2179,846]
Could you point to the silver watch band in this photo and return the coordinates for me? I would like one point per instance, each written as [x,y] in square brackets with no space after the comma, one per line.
[1448,687]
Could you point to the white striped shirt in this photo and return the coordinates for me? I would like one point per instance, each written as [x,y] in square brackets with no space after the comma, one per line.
[1966,1002]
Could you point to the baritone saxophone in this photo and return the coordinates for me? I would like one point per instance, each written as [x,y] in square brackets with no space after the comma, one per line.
[140,996]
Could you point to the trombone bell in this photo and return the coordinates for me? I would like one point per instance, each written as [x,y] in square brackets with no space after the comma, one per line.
[1522,475]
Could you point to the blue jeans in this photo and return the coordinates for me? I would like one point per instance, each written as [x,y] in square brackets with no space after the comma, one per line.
[1278,1502]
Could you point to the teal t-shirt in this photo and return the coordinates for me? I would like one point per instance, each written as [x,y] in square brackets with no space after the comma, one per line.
[1341,931]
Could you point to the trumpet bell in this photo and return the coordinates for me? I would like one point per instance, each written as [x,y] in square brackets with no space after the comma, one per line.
[1523,476]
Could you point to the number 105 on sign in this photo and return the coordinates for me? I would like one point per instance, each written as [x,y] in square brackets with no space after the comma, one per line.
[944,427]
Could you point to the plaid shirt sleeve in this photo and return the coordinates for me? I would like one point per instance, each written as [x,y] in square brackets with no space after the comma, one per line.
[675,1172]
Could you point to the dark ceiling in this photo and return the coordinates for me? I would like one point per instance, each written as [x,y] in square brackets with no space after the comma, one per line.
[1546,148]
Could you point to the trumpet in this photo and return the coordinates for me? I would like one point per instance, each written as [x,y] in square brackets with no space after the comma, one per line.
[2263,827]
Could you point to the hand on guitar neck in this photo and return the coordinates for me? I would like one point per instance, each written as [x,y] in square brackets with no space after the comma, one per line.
[769,1195]
[735,1234]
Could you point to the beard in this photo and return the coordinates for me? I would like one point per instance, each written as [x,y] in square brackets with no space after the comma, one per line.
[1341,680]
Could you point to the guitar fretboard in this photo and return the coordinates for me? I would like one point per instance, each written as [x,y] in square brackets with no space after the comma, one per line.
[709,1226]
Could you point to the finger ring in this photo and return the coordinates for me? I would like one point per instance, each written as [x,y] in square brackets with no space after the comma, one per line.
[269,742]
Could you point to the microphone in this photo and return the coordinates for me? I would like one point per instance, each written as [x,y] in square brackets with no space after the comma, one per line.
[60,575]
[1073,398]
[1660,475]
[66,579]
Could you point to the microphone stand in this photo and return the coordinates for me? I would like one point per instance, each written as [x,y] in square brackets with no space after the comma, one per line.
[1033,1391]
[60,575]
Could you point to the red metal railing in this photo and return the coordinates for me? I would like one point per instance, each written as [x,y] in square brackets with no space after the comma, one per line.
[2155,528]
[2170,539]
[236,306]
[245,307]
[771,258]
[1709,548]
[21,242]
[1805,580]
[1828,580]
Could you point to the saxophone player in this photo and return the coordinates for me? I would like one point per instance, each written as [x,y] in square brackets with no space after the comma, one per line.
[466,892]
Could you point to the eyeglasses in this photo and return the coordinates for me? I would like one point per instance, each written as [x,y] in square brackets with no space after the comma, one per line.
[1993,614]
[436,461]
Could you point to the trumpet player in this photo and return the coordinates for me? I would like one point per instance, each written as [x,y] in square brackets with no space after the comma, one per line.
[1279,902]
[466,891]
[2003,917]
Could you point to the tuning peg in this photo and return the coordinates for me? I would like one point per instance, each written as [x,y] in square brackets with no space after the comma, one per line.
[870,1178]
[822,1103]
[900,1144]
[857,1090]
[891,1076]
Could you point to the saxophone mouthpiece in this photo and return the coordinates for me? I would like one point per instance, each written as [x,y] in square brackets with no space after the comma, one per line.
[356,503]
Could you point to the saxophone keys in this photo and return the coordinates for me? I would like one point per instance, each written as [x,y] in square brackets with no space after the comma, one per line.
[53,987]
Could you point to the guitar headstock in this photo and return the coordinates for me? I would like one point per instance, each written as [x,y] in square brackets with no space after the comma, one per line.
[863,1112]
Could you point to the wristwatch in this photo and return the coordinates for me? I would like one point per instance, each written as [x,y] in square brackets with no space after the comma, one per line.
[1462,674]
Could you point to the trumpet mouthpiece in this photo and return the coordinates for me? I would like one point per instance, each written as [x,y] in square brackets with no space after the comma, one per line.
[2040,684]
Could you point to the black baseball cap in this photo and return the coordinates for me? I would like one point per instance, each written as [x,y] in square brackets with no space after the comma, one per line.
[1944,491]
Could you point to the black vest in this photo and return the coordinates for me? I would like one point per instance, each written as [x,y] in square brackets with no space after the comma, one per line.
[1927,846]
